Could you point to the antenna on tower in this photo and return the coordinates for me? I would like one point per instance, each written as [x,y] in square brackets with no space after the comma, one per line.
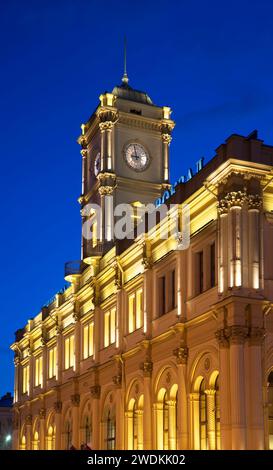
[125,78]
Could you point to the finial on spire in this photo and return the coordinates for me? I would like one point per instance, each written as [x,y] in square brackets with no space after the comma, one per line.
[125,78]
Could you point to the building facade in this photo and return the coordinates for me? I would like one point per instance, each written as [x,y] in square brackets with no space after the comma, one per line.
[150,346]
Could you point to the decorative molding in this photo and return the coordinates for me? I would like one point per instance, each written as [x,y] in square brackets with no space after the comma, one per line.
[147,368]
[221,338]
[237,334]
[256,336]
[58,406]
[255,201]
[106,190]
[75,399]
[117,380]
[42,413]
[95,391]
[232,199]
[181,355]
[29,419]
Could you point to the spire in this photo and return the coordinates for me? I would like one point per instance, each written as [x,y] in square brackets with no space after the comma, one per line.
[125,78]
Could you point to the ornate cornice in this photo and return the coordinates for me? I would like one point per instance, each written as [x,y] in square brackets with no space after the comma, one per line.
[106,190]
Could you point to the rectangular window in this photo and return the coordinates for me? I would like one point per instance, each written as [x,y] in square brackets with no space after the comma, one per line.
[135,311]
[52,362]
[162,295]
[132,317]
[69,352]
[139,308]
[88,340]
[38,371]
[109,327]
[26,379]
[212,265]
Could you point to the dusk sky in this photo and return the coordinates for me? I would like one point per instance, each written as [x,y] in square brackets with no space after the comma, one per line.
[212,62]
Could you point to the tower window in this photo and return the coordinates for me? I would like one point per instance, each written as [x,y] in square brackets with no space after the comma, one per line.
[135,311]
[69,352]
[162,295]
[199,272]
[109,327]
[88,340]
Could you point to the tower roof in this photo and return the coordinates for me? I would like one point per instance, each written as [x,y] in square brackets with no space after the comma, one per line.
[126,92]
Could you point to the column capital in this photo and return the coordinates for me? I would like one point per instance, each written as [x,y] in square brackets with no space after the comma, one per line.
[28,419]
[75,399]
[181,354]
[210,392]
[237,334]
[147,368]
[117,380]
[58,406]
[42,413]
[222,339]
[95,391]
[256,336]
[255,202]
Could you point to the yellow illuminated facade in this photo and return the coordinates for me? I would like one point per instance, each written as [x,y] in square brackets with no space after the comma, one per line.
[152,347]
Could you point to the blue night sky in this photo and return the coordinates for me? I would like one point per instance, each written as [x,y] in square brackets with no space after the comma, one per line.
[212,62]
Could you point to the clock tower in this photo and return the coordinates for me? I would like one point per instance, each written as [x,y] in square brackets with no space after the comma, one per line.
[125,157]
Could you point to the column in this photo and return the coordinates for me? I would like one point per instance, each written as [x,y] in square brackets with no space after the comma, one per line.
[103,147]
[42,414]
[109,215]
[17,379]
[256,411]
[95,394]
[172,425]
[181,354]
[31,374]
[237,387]
[28,431]
[44,359]
[166,140]
[75,401]
[59,367]
[139,414]
[235,217]
[254,241]
[147,288]
[222,250]
[15,429]
[224,390]
[129,430]
[119,419]
[147,407]
[195,423]
[58,424]
[179,276]
[211,419]
[77,338]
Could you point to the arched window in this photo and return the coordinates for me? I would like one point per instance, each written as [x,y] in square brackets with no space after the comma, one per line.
[68,435]
[51,438]
[165,423]
[36,441]
[23,443]
[87,430]
[217,415]
[135,428]
[203,416]
[270,410]
[110,433]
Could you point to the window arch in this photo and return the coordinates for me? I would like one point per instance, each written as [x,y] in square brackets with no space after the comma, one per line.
[270,409]
[165,429]
[68,434]
[110,432]
[203,416]
[87,429]
[51,437]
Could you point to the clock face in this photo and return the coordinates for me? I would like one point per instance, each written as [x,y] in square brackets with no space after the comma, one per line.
[136,156]
[97,164]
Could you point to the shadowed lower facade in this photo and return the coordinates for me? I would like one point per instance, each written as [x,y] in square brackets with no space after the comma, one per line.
[151,347]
